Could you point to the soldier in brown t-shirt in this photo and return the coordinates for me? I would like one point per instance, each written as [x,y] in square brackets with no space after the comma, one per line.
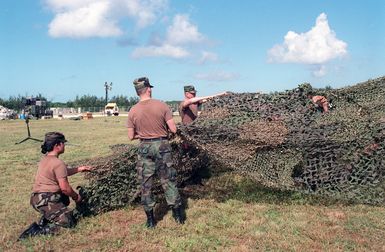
[51,189]
[150,121]
[188,108]
[320,101]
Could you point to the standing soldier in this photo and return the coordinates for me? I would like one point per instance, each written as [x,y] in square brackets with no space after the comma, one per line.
[150,121]
[51,190]
[188,108]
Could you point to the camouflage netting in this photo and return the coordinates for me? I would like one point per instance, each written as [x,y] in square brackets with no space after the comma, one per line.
[113,184]
[279,140]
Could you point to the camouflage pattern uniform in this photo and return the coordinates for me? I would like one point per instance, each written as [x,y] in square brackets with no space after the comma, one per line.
[154,157]
[53,207]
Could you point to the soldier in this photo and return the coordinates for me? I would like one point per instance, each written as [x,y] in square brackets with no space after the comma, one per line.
[150,121]
[188,108]
[320,101]
[51,190]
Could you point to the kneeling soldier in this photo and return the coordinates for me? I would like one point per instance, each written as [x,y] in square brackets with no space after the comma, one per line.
[51,190]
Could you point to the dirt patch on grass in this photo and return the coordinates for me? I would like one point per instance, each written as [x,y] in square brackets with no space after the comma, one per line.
[336,216]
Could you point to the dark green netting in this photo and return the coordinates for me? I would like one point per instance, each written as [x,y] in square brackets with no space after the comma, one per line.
[282,141]
[279,140]
[113,184]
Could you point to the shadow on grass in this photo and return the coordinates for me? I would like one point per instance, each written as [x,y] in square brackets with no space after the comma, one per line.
[232,186]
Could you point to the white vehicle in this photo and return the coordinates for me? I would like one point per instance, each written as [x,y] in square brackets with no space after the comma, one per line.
[6,113]
[111,109]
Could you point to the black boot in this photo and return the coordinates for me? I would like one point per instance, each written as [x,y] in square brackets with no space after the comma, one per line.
[32,230]
[43,222]
[177,214]
[150,219]
[35,229]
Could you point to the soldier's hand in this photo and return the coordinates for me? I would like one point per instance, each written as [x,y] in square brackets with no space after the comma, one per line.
[79,199]
[85,168]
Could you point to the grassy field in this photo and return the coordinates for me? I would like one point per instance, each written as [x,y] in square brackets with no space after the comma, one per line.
[226,213]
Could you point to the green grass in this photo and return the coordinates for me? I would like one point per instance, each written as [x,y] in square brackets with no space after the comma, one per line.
[227,213]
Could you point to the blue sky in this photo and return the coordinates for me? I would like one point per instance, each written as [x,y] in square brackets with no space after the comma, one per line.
[64,48]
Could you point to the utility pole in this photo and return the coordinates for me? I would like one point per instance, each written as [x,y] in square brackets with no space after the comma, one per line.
[107,87]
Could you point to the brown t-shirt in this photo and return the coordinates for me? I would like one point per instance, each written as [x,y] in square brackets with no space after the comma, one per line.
[189,113]
[148,118]
[50,170]
[319,100]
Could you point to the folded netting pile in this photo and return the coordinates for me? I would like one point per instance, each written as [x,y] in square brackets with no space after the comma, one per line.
[281,140]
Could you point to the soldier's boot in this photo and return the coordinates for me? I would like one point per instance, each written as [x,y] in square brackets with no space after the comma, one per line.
[43,222]
[150,219]
[32,230]
[36,229]
[49,230]
[177,214]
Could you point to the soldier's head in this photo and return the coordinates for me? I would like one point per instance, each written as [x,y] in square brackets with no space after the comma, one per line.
[142,85]
[53,140]
[189,91]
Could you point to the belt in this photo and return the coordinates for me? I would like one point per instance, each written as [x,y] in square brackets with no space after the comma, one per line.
[50,193]
[153,139]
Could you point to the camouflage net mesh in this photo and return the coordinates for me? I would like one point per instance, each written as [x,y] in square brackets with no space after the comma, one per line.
[113,184]
[282,141]
[279,140]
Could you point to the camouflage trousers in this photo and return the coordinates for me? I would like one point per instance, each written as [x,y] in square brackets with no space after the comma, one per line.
[53,207]
[155,158]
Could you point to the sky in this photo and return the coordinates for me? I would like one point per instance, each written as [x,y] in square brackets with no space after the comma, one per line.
[64,48]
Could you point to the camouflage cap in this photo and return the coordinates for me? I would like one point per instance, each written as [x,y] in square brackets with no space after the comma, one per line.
[141,83]
[190,89]
[54,137]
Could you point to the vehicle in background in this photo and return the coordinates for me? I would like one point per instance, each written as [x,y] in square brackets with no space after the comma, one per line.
[36,108]
[111,109]
[6,113]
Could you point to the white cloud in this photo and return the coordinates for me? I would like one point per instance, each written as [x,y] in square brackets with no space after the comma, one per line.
[183,32]
[317,46]
[319,71]
[100,18]
[217,76]
[180,34]
[145,12]
[63,5]
[88,21]
[159,51]
[207,57]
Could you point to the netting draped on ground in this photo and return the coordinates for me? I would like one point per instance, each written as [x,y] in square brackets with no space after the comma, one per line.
[279,140]
[113,183]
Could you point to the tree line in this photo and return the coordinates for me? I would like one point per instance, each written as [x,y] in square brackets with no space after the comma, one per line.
[18,102]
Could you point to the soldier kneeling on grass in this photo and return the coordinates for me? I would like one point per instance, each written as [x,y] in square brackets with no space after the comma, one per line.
[51,190]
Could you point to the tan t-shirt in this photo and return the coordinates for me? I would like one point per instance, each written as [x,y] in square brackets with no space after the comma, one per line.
[188,114]
[319,100]
[49,171]
[148,118]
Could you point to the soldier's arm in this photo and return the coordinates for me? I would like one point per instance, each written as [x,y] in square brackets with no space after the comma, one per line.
[325,107]
[187,102]
[72,171]
[67,189]
[131,134]
[171,126]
